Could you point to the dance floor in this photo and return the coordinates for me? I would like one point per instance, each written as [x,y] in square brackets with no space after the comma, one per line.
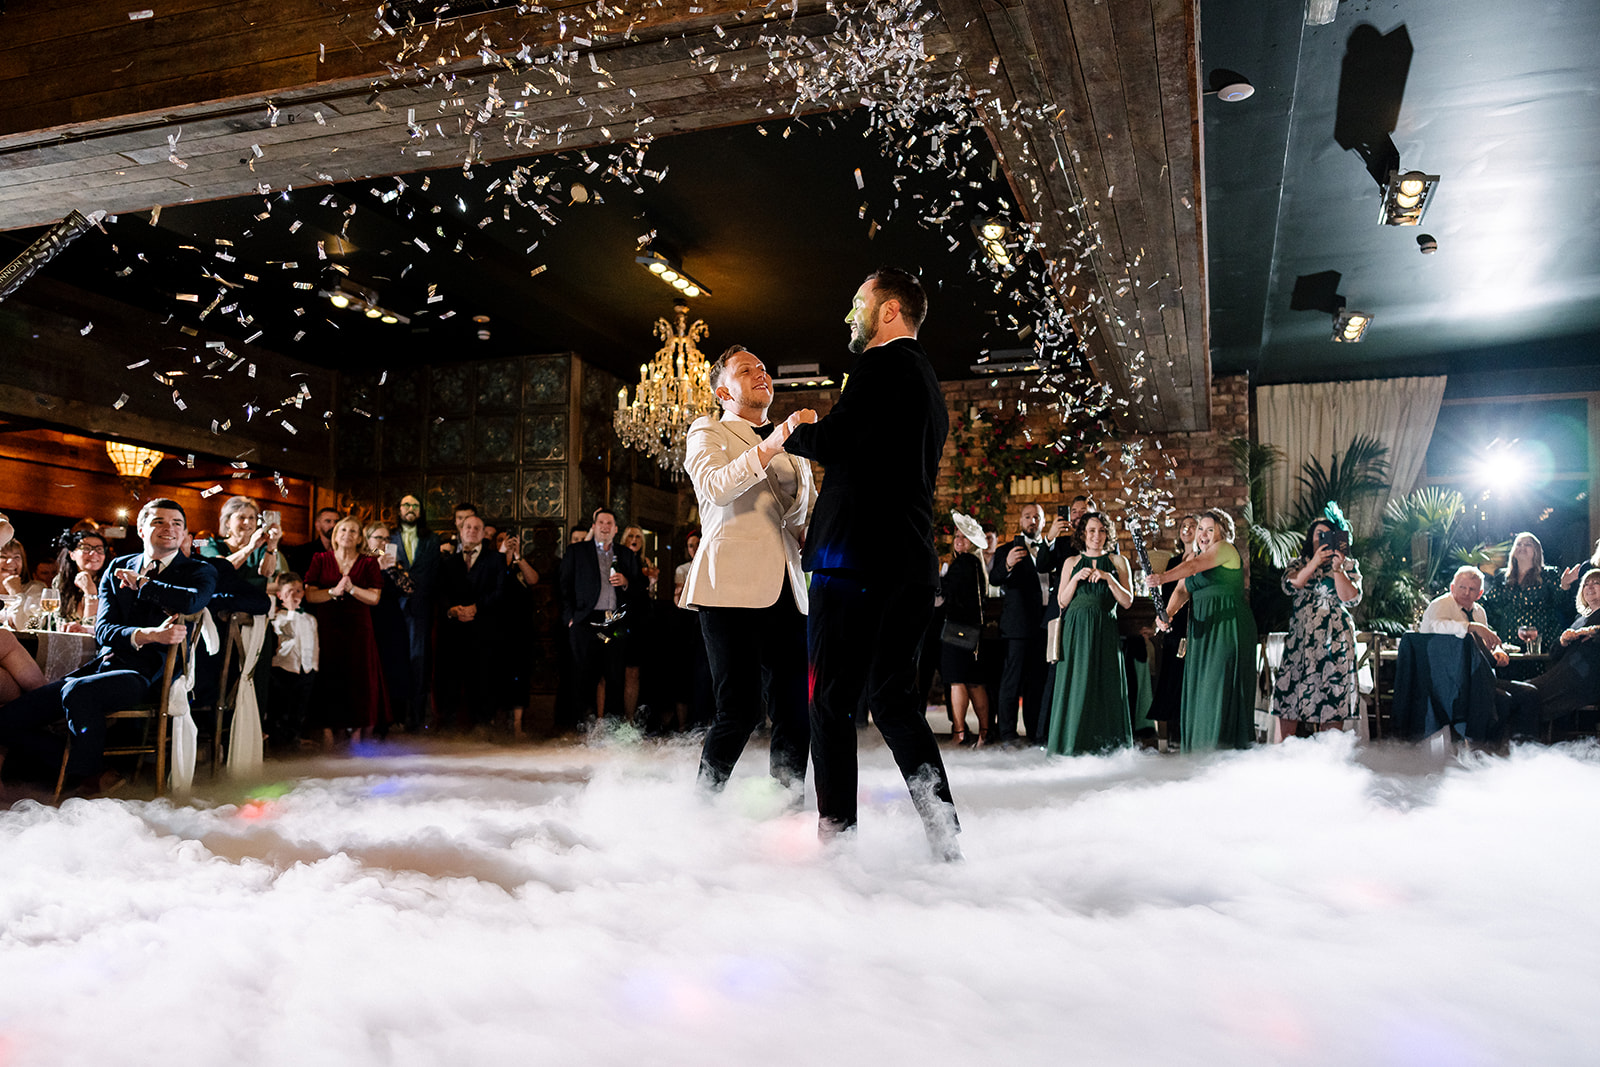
[1312,903]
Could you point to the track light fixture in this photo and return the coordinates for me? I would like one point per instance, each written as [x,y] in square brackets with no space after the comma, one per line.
[992,234]
[1349,327]
[671,273]
[1406,197]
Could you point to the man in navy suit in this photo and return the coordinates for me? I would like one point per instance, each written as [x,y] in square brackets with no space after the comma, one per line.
[417,548]
[141,597]
[597,576]
[870,549]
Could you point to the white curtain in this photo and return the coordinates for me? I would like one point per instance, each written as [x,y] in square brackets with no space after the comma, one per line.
[1317,419]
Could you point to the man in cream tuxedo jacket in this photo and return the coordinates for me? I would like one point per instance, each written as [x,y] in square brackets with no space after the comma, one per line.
[746,580]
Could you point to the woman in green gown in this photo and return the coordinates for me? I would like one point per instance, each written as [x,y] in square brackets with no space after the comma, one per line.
[1219,667]
[1089,712]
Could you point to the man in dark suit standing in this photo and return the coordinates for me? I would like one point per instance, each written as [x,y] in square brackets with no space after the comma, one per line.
[599,576]
[477,588]
[417,549]
[141,597]
[870,549]
[298,557]
[1026,569]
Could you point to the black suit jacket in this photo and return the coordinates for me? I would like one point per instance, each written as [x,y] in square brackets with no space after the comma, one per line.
[1023,608]
[490,585]
[183,588]
[424,570]
[881,445]
[580,580]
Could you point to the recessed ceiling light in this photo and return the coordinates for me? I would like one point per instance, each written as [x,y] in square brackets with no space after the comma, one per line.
[480,318]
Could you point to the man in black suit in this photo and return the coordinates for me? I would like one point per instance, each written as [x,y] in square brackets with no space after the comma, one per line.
[1026,569]
[417,549]
[599,576]
[477,590]
[141,597]
[870,549]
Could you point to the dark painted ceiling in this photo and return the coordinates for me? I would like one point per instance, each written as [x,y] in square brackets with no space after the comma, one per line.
[770,217]
[1501,100]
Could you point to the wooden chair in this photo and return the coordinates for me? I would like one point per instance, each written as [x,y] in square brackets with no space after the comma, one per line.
[153,713]
[227,695]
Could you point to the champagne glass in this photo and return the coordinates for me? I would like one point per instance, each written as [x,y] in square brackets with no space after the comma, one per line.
[50,608]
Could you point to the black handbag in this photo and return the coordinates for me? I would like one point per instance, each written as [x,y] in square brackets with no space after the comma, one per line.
[964,635]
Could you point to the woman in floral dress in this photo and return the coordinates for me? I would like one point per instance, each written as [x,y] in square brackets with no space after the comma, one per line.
[1317,682]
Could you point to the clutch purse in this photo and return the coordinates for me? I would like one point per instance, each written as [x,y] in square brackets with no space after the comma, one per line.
[1052,640]
[960,635]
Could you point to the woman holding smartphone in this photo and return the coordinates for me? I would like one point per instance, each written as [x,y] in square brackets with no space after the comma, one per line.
[1317,683]
[246,541]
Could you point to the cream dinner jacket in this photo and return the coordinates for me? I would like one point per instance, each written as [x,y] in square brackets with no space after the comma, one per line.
[747,535]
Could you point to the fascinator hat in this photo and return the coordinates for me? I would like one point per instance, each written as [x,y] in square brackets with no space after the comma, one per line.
[970,528]
[1336,516]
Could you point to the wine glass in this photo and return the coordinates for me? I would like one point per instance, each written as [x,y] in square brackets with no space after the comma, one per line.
[49,608]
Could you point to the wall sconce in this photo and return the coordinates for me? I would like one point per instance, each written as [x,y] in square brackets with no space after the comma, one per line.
[134,465]
[1349,327]
[1406,197]
[671,273]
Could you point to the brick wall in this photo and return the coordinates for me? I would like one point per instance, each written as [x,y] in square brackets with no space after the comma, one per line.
[1205,475]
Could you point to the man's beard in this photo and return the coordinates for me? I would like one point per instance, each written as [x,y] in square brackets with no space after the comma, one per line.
[861,333]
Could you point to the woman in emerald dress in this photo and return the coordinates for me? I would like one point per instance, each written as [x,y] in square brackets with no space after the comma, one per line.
[1219,669]
[1089,712]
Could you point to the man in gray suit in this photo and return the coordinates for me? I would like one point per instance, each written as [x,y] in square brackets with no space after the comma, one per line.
[746,579]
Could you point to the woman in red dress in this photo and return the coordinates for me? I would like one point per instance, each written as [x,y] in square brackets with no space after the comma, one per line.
[341,588]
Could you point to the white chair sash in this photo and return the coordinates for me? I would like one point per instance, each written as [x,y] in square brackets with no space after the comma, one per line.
[244,743]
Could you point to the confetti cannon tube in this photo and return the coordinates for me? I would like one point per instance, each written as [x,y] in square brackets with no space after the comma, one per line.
[44,250]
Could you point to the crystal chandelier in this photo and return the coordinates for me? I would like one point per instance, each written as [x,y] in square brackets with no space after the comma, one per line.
[674,390]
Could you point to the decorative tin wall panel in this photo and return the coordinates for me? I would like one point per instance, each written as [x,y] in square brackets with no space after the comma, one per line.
[444,493]
[544,494]
[496,440]
[447,443]
[544,437]
[546,381]
[452,390]
[496,495]
[498,386]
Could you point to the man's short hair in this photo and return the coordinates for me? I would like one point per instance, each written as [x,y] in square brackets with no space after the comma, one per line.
[1467,568]
[160,503]
[714,374]
[893,283]
[603,510]
[1079,497]
[326,511]
[579,527]
[467,506]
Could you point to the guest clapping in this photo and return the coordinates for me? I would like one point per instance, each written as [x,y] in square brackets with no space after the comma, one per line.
[1317,683]
[342,587]
[1089,712]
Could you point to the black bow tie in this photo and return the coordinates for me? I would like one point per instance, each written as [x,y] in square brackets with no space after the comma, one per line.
[763,432]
